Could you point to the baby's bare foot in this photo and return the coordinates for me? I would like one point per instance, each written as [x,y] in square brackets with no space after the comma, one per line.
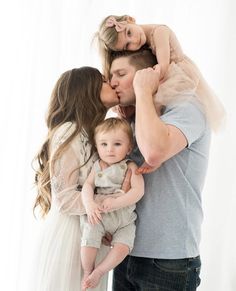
[93,279]
[83,284]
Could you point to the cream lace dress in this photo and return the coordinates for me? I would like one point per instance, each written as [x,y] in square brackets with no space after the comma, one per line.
[58,266]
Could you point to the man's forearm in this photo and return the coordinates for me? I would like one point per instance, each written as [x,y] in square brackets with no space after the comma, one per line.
[151,132]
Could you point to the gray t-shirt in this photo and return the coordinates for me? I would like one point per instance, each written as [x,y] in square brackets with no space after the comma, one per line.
[170,212]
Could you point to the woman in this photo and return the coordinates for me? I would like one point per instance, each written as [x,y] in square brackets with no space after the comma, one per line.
[78,103]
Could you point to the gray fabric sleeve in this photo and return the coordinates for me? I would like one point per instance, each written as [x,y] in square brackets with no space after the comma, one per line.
[187,117]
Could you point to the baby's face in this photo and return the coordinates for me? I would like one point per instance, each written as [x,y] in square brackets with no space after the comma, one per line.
[130,39]
[113,146]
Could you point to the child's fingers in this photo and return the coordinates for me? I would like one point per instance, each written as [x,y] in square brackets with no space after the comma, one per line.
[100,208]
[98,215]
[90,219]
[104,208]
[94,220]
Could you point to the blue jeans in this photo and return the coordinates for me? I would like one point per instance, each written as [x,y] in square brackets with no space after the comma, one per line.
[145,274]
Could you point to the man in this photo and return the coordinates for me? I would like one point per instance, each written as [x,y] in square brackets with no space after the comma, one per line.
[176,144]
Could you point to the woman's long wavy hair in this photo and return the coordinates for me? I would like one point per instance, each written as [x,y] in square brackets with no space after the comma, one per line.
[75,98]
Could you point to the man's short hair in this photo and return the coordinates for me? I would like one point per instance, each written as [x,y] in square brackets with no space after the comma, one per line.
[140,59]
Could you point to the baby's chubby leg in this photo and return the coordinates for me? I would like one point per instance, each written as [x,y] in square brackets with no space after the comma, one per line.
[88,258]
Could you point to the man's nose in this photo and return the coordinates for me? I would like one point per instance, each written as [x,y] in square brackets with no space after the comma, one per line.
[113,82]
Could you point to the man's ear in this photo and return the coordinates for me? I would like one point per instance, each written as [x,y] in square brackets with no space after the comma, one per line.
[130,19]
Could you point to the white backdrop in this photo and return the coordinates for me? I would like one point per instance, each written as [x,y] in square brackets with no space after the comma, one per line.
[40,40]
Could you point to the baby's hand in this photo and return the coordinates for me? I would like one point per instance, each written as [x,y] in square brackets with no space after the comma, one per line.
[108,204]
[94,213]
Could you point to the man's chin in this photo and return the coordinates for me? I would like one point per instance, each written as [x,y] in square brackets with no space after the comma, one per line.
[123,103]
[126,104]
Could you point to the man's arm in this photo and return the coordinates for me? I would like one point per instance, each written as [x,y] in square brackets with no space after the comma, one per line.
[157,141]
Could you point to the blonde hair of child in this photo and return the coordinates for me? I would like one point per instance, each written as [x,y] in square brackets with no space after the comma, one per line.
[107,38]
[114,123]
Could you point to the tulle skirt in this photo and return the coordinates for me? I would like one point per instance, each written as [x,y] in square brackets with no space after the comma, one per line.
[183,76]
[57,265]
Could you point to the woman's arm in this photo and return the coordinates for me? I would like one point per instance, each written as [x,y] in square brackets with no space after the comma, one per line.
[65,173]
[64,183]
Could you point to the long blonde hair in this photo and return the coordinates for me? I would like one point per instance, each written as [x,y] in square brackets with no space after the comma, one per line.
[76,99]
[106,39]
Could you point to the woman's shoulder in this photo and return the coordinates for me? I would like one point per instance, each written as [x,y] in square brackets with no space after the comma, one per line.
[63,132]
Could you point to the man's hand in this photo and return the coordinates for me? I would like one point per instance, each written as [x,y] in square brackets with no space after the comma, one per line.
[146,168]
[126,185]
[146,81]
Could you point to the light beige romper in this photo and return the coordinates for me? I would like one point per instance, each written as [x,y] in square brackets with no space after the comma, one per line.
[120,223]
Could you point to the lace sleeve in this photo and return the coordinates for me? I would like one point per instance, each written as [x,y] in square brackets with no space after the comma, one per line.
[66,174]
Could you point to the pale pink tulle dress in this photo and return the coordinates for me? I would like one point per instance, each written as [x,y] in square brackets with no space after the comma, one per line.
[184,75]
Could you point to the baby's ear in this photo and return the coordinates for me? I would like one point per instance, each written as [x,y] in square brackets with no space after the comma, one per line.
[130,19]
[130,149]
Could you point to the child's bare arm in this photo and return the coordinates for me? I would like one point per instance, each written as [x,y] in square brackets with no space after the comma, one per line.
[92,208]
[135,193]
[161,39]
